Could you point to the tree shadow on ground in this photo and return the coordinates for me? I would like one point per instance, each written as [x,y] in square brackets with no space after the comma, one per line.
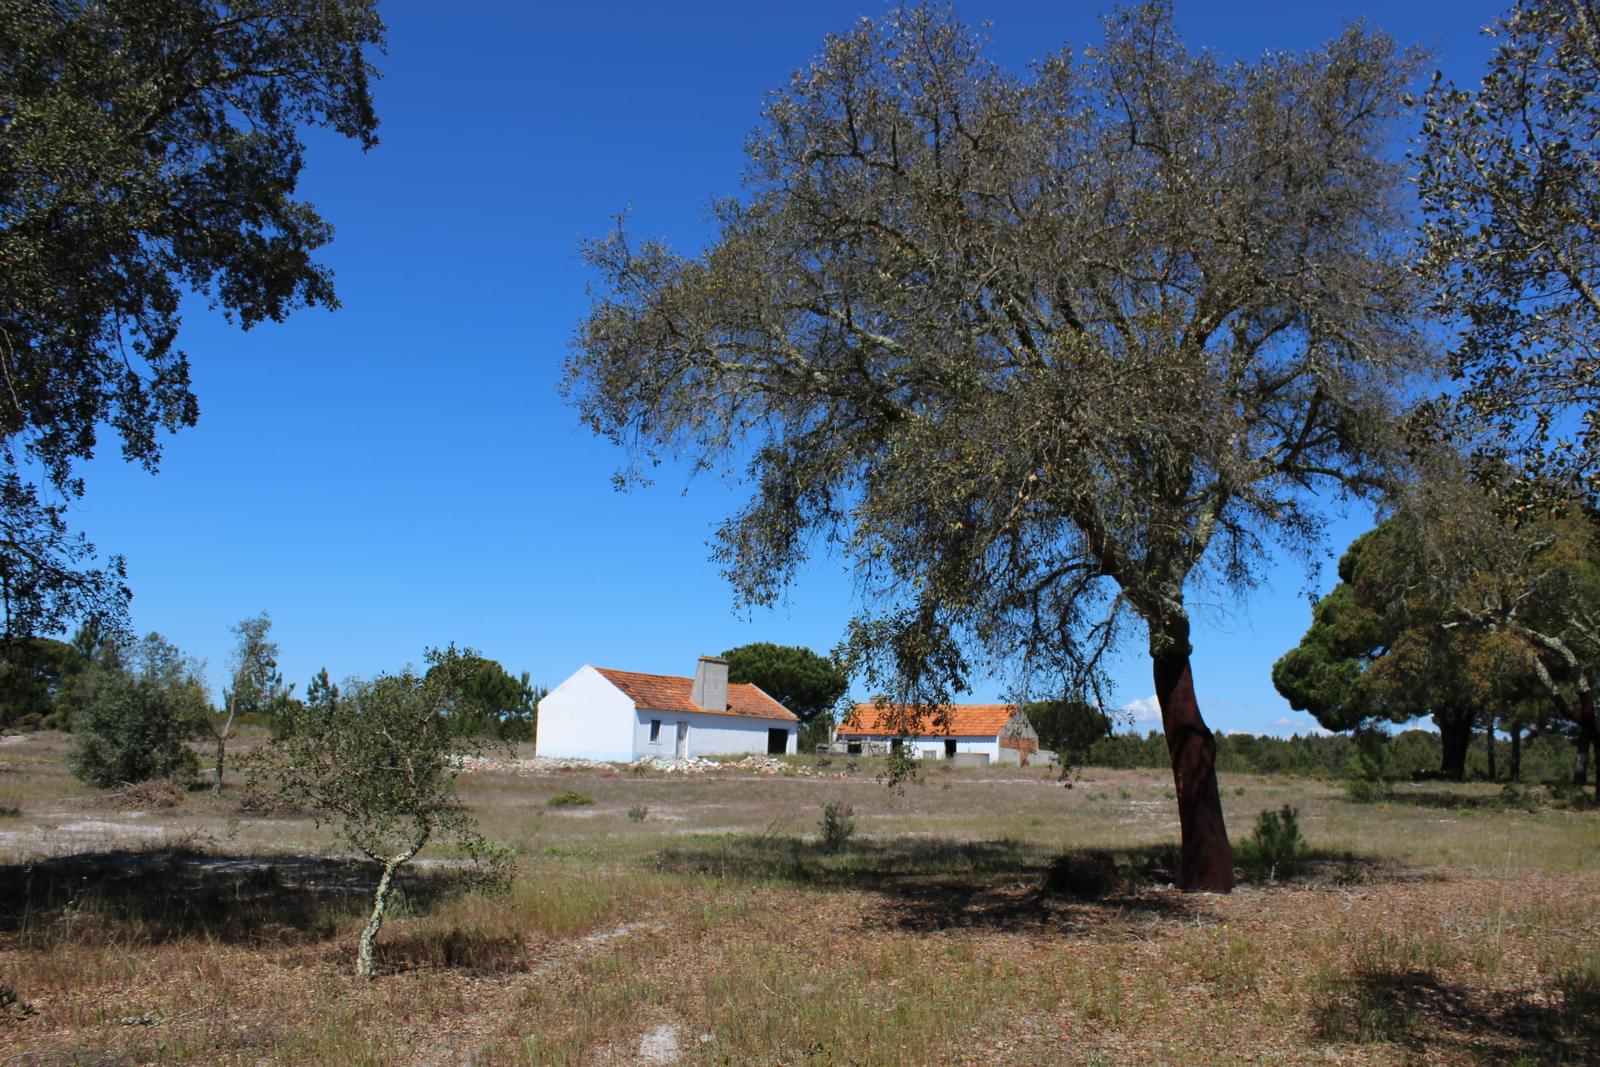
[1435,1019]
[942,884]
[164,895]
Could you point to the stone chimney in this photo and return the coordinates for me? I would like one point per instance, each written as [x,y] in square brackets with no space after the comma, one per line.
[710,684]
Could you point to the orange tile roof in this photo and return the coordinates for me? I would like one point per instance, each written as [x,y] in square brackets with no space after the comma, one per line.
[663,692]
[966,720]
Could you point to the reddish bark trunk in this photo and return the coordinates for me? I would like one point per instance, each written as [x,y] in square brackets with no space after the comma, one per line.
[1206,860]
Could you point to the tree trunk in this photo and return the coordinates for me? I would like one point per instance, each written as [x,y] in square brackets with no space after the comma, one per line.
[1588,738]
[1488,736]
[222,749]
[364,955]
[1455,735]
[1206,861]
[1516,752]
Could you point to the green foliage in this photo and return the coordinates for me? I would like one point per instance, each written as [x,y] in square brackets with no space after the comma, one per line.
[1509,178]
[570,799]
[1067,727]
[488,702]
[818,731]
[1276,849]
[136,706]
[1365,791]
[802,681]
[1000,451]
[838,825]
[381,759]
[32,671]
[152,150]
[1385,648]
[899,767]
[638,813]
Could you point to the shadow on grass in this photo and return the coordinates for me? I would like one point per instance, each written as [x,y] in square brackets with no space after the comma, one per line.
[943,884]
[165,895]
[1435,1019]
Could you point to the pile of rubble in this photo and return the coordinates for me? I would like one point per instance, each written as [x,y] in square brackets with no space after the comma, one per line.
[765,765]
[533,765]
[688,765]
[692,765]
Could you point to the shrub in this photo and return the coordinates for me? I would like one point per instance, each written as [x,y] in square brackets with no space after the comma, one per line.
[1276,849]
[130,730]
[838,825]
[1365,791]
[570,799]
[638,813]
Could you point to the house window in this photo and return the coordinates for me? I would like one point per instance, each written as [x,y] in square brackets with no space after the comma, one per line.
[655,730]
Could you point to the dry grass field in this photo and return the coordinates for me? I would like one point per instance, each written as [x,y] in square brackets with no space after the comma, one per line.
[699,920]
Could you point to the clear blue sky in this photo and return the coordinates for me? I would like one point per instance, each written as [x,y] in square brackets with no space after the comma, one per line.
[402,473]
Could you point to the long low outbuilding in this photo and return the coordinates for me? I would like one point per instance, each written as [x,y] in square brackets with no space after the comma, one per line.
[621,716]
[999,731]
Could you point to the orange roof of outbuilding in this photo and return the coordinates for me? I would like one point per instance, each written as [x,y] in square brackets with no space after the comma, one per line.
[965,720]
[663,692]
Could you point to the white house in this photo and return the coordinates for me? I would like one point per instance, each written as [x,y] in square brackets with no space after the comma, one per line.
[603,714]
[1000,731]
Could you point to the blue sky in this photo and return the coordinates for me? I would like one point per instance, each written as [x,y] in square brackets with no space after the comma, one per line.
[401,473]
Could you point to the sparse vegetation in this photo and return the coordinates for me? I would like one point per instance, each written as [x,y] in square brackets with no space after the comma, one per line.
[570,799]
[1276,849]
[838,825]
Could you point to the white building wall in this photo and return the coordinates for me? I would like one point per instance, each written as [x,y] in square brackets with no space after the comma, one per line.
[709,735]
[933,747]
[585,717]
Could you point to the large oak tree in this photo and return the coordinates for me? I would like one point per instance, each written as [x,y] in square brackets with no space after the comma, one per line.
[1037,352]
[1510,184]
[149,149]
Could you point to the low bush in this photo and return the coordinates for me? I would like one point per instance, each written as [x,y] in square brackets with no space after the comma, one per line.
[570,799]
[1276,849]
[838,825]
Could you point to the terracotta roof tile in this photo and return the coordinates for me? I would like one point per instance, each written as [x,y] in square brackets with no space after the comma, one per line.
[663,692]
[966,720]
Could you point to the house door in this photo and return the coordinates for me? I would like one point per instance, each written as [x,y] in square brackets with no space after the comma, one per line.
[683,740]
[949,748]
[777,742]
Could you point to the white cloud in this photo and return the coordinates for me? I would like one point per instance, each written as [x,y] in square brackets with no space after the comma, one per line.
[1144,710]
[1300,726]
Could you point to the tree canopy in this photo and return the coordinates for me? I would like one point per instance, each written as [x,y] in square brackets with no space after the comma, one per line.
[133,709]
[1034,352]
[1381,649]
[1510,184]
[486,700]
[802,681]
[381,758]
[148,149]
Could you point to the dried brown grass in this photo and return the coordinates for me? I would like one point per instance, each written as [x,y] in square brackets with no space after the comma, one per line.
[1420,933]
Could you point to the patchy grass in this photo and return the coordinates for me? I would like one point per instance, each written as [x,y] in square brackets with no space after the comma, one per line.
[980,916]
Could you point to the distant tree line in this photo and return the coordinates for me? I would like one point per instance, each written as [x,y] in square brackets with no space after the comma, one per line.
[1409,754]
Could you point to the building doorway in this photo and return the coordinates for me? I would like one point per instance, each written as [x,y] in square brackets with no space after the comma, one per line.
[777,742]
[949,748]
